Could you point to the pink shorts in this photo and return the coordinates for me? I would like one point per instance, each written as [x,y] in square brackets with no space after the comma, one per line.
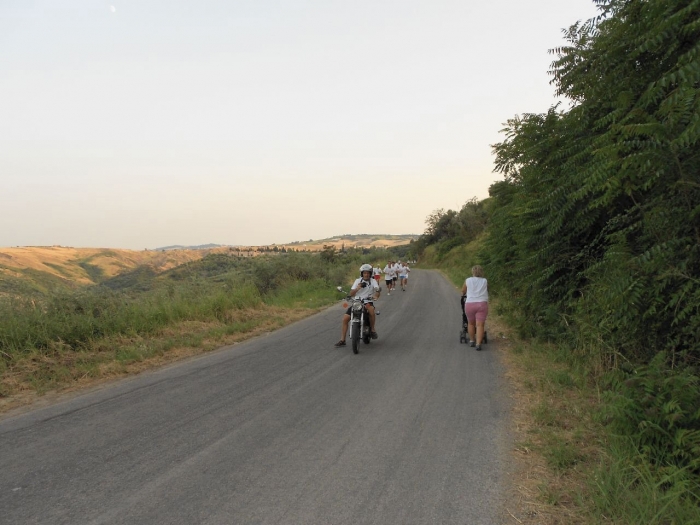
[476,311]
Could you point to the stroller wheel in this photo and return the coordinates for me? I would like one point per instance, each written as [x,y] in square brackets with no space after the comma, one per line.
[486,339]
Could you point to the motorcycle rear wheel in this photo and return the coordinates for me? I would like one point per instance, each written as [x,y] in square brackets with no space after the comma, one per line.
[355,336]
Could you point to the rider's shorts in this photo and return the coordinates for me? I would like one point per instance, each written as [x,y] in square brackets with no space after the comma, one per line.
[348,311]
[476,311]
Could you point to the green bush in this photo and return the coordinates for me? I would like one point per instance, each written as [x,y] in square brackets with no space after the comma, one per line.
[658,408]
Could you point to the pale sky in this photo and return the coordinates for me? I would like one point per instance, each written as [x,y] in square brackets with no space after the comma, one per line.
[145,123]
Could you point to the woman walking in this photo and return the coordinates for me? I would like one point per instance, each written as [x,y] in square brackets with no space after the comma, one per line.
[476,305]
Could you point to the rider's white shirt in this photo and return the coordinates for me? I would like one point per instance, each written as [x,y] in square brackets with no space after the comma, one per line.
[368,291]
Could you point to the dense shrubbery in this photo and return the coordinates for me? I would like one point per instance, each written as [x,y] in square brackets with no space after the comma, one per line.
[598,219]
[448,229]
[658,408]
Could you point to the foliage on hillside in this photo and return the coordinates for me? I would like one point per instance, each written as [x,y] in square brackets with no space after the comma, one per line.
[448,229]
[598,219]
[593,236]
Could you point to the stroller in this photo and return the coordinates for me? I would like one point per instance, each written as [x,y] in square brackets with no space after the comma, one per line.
[464,334]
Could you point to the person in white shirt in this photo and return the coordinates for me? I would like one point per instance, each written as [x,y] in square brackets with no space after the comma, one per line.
[403,276]
[395,267]
[377,273]
[399,270]
[389,276]
[367,289]
[476,305]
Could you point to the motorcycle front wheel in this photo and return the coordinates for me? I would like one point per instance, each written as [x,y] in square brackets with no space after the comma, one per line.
[355,336]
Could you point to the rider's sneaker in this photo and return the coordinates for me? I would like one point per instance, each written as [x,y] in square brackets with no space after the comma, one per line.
[374,335]
[472,344]
[340,343]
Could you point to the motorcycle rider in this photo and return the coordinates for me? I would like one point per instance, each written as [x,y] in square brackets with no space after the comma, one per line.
[363,288]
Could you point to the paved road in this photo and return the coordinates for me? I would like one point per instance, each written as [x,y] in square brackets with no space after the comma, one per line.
[283,429]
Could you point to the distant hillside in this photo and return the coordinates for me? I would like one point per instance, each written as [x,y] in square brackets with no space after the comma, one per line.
[38,269]
[198,247]
[364,240]
[29,270]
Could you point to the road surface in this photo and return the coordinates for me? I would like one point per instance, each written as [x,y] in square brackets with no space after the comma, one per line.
[282,429]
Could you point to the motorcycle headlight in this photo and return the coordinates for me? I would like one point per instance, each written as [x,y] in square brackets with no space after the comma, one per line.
[357,306]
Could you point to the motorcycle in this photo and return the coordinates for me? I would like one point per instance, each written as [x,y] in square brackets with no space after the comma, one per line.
[360,329]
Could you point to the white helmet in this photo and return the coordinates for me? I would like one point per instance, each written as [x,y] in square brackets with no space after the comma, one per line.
[365,268]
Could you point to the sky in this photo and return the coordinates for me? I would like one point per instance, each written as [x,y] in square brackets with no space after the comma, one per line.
[147,123]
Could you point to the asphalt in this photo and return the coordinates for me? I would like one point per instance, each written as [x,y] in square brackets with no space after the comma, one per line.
[282,429]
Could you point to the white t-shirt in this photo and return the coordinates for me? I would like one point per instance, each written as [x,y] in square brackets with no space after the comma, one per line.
[388,272]
[403,270]
[477,290]
[376,271]
[368,291]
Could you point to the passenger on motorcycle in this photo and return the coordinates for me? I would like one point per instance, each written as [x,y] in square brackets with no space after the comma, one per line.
[367,289]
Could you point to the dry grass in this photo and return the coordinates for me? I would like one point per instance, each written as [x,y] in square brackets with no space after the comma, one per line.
[556,440]
[65,371]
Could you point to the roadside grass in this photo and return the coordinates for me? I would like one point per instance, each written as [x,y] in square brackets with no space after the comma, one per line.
[61,369]
[315,293]
[558,441]
[626,490]
[76,319]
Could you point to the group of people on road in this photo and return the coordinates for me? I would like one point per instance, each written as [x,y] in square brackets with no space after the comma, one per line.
[396,271]
[475,297]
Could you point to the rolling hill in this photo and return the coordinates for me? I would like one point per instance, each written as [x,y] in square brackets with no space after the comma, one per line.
[31,270]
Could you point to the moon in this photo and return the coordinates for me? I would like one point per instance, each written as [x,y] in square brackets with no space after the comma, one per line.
[113,9]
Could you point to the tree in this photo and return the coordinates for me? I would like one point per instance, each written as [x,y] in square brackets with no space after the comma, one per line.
[598,218]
